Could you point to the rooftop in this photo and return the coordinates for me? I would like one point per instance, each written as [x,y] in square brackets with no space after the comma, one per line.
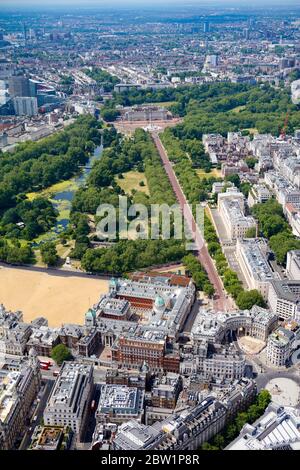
[163,306]
[287,289]
[209,324]
[281,337]
[252,250]
[8,384]
[236,213]
[68,385]
[133,435]
[109,305]
[44,335]
[279,426]
[120,399]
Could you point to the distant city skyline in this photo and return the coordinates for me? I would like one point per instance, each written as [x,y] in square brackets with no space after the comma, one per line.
[135,3]
[149,227]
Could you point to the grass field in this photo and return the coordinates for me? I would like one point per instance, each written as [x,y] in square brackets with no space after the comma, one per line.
[214,172]
[20,240]
[162,103]
[238,109]
[131,181]
[68,185]
[176,269]
[59,299]
[252,130]
[64,250]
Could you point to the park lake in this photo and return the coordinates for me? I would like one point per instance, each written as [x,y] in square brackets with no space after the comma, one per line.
[61,195]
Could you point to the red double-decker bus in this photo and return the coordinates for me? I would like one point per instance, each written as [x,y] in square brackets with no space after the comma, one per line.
[45,365]
[46,362]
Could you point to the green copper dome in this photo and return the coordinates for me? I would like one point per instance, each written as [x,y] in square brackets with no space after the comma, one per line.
[113,282]
[90,314]
[159,301]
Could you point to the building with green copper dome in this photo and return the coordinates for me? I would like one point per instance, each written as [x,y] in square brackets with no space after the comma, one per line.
[113,284]
[159,302]
[90,317]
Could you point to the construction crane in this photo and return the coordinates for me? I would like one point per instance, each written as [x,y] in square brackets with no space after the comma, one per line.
[283,130]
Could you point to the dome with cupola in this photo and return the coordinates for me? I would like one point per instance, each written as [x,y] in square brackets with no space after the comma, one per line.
[90,316]
[159,302]
[113,284]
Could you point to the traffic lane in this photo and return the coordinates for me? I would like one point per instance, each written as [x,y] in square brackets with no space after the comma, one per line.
[91,424]
[264,378]
[56,271]
[203,254]
[38,414]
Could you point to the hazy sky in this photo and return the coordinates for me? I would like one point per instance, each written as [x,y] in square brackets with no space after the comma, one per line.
[114,3]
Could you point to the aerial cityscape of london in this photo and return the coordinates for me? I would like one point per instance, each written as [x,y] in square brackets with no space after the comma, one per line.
[149,228]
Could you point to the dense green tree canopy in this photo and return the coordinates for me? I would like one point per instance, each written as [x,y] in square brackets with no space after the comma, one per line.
[124,154]
[37,165]
[34,166]
[12,252]
[103,78]
[272,225]
[198,274]
[246,299]
[61,353]
[49,253]
[38,216]
[128,255]
[233,428]
[211,107]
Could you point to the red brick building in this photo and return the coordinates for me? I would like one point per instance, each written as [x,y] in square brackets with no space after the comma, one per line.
[149,348]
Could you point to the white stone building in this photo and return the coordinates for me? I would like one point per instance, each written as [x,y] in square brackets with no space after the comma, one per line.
[277,429]
[284,299]
[293,264]
[119,403]
[251,255]
[258,194]
[68,404]
[18,389]
[279,347]
[231,205]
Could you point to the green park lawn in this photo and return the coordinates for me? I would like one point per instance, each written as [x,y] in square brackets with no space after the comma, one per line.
[131,182]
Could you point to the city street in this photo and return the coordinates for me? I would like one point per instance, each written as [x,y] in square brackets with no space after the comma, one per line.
[265,373]
[188,325]
[69,272]
[100,374]
[263,379]
[221,302]
[155,336]
[37,416]
[92,417]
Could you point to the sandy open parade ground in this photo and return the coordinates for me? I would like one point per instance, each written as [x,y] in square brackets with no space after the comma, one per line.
[60,299]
